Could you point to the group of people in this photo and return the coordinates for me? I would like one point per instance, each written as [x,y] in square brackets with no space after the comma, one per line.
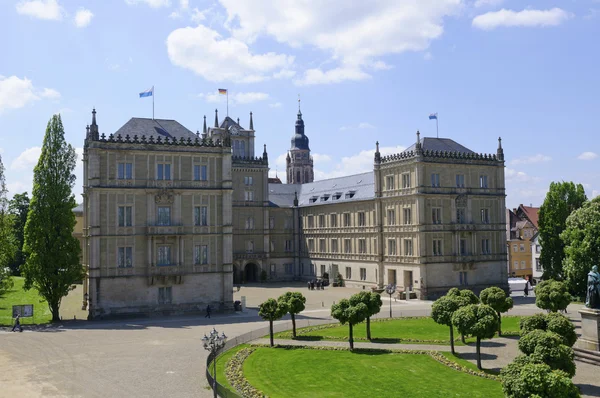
[316,283]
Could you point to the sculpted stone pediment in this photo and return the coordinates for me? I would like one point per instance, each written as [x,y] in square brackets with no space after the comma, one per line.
[164,196]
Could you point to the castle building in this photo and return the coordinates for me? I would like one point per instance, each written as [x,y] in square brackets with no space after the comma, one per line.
[173,219]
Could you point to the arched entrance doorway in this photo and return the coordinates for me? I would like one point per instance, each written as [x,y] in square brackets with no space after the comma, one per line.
[251,272]
[236,275]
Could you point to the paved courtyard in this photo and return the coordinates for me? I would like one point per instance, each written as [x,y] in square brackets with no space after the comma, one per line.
[156,357]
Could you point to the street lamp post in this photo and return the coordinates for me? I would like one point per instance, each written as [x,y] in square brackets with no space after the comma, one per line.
[213,343]
[390,289]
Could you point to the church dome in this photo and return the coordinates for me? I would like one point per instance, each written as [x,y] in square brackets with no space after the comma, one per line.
[299,140]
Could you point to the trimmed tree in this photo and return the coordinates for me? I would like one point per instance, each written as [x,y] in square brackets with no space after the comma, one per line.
[496,298]
[442,311]
[561,200]
[294,302]
[552,322]
[7,242]
[548,347]
[465,297]
[19,208]
[479,321]
[272,310]
[552,295]
[373,302]
[346,313]
[52,265]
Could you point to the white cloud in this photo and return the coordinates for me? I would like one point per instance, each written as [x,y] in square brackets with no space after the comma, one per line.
[320,158]
[27,159]
[16,93]
[514,176]
[235,98]
[284,74]
[175,15]
[487,3]
[184,4]
[197,15]
[526,18]
[217,59]
[587,156]
[41,9]
[595,193]
[151,3]
[83,17]
[539,158]
[360,126]
[336,75]
[275,105]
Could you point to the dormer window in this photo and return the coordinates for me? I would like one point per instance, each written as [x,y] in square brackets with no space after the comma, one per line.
[324,198]
[337,195]
[350,194]
[313,199]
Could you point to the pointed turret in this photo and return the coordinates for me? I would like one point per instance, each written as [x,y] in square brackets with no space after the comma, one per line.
[216,118]
[377,154]
[296,198]
[265,156]
[238,120]
[251,122]
[500,151]
[87,131]
[94,126]
[204,128]
[418,147]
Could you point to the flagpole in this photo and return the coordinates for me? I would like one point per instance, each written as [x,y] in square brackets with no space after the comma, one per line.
[152,102]
[437,130]
[227,103]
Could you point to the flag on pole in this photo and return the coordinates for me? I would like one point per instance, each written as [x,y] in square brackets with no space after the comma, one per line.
[433,116]
[147,93]
[223,91]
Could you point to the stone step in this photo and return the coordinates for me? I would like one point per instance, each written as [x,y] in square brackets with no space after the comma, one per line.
[587,356]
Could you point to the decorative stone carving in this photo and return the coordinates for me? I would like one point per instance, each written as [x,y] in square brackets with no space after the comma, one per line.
[461,200]
[164,196]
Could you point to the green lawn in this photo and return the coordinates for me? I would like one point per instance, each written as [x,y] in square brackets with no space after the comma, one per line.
[18,296]
[221,362]
[394,331]
[292,373]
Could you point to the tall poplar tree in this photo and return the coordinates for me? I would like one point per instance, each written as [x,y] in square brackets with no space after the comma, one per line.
[7,244]
[19,207]
[52,252]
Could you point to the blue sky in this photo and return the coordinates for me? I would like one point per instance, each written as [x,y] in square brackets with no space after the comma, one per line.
[527,72]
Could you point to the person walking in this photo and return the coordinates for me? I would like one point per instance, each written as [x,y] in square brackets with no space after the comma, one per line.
[17,324]
[526,290]
[207,312]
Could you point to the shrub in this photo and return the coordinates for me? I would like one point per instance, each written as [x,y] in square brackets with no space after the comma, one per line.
[531,323]
[526,378]
[548,347]
[561,325]
[552,295]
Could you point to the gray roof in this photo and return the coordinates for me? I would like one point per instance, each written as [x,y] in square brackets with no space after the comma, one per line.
[440,144]
[78,208]
[154,127]
[334,190]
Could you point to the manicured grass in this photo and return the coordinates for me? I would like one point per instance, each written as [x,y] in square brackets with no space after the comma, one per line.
[18,296]
[280,372]
[222,362]
[463,362]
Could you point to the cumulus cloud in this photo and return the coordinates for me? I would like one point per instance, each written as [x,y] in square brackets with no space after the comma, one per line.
[587,156]
[41,9]
[235,98]
[16,93]
[151,3]
[27,159]
[487,3]
[515,176]
[539,158]
[83,17]
[360,126]
[525,18]
[320,158]
[208,54]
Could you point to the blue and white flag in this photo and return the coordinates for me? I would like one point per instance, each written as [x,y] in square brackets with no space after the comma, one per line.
[147,93]
[431,115]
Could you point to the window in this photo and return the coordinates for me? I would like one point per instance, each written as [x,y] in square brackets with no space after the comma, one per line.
[249,196]
[462,247]
[311,221]
[346,219]
[485,216]
[333,220]
[201,254]
[200,172]
[461,217]
[164,255]
[334,246]
[436,215]
[322,248]
[163,171]
[435,180]
[124,171]
[125,216]
[125,257]
[347,246]
[406,180]
[348,273]
[389,182]
[324,198]
[437,247]
[363,274]
[289,269]
[201,215]
[287,223]
[250,223]
[515,248]
[335,196]
[248,180]
[165,295]
[407,216]
[463,278]
[522,264]
[272,246]
[249,246]
[271,222]
[311,245]
[288,245]
[361,219]
[322,220]
[164,215]
[313,199]
[538,248]
[515,265]
[273,269]
[362,245]
[349,194]
[323,269]
[460,180]
[522,247]
[391,217]
[538,266]
[391,247]
[483,181]
[408,247]
[485,246]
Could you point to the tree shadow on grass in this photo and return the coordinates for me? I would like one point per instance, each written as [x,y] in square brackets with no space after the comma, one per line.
[308,338]
[589,389]
[472,356]
[369,352]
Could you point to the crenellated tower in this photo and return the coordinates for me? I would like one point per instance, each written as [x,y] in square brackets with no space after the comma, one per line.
[299,163]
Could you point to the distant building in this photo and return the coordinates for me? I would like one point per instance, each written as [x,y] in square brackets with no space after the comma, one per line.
[522,230]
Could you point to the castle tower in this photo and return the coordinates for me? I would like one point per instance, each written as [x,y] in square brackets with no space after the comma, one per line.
[299,163]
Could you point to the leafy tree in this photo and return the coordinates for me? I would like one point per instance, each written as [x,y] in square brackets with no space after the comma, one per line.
[582,245]
[548,347]
[19,207]
[52,265]
[465,297]
[7,244]
[479,321]
[345,312]
[294,302]
[552,295]
[442,311]
[526,377]
[561,200]
[496,298]
[373,302]
[531,323]
[272,310]
[552,322]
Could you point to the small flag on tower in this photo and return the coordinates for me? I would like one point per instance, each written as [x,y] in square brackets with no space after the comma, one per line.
[433,116]
[147,93]
[223,91]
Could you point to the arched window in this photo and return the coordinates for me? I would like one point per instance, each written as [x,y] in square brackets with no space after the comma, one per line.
[235,147]
[306,178]
[298,177]
[242,148]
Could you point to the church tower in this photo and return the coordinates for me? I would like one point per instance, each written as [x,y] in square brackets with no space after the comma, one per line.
[299,163]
